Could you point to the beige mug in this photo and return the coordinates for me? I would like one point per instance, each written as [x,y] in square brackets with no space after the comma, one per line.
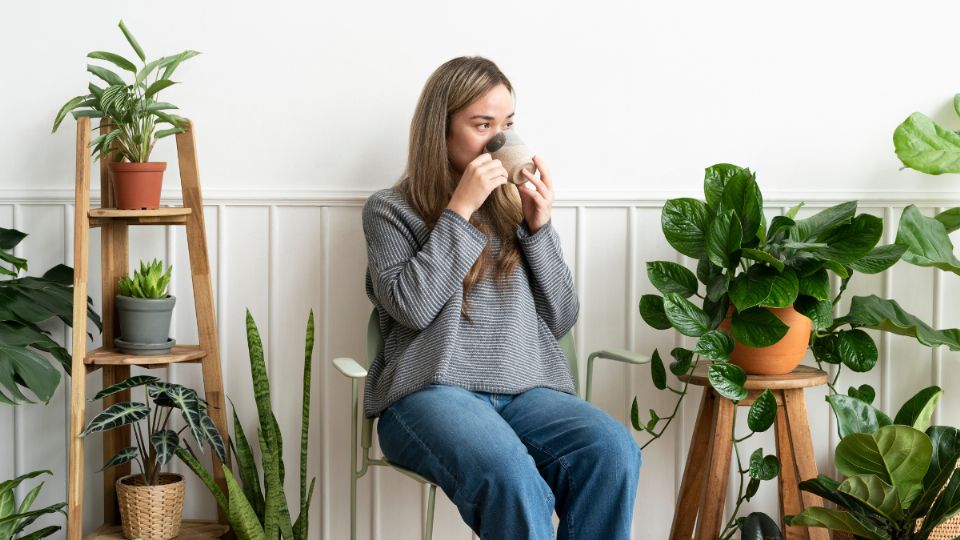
[513,154]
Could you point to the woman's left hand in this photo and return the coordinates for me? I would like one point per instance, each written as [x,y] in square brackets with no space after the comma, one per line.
[537,204]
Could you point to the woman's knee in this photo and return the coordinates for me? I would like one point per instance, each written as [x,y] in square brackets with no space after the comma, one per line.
[614,449]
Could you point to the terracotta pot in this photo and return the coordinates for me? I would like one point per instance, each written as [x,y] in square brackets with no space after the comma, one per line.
[780,358]
[137,185]
[150,512]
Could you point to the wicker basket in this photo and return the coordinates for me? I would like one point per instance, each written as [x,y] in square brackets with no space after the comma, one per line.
[150,512]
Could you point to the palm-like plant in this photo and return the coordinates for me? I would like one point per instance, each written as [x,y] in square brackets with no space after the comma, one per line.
[132,109]
[16,517]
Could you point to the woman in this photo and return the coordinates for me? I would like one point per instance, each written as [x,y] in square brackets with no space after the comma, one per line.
[472,292]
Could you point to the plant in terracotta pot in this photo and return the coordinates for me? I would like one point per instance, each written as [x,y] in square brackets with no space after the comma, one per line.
[151,501]
[136,119]
[144,309]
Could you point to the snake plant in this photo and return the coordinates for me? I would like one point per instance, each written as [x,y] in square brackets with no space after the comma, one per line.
[259,510]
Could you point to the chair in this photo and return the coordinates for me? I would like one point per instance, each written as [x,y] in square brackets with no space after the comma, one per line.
[356,372]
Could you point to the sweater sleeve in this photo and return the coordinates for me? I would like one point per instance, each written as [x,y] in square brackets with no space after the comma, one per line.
[554,293]
[413,283]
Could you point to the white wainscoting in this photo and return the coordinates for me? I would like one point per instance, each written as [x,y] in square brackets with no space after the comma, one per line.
[282,254]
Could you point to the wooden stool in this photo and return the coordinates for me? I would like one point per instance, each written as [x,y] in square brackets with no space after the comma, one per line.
[707,471]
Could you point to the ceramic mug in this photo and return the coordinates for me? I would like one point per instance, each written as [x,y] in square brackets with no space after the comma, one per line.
[515,156]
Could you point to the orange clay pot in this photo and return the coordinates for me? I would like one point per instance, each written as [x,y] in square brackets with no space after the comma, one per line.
[137,185]
[780,358]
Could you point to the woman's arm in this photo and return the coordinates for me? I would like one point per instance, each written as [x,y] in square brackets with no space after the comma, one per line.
[413,284]
[554,293]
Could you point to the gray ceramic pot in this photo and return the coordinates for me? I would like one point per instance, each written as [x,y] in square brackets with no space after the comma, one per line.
[144,325]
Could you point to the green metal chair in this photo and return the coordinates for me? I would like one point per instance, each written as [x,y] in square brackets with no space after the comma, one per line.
[356,372]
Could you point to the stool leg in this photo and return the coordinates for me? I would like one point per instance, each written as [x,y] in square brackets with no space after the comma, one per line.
[691,487]
[787,479]
[803,450]
[718,472]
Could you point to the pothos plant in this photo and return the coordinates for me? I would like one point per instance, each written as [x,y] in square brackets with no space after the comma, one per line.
[132,108]
[746,265]
[156,441]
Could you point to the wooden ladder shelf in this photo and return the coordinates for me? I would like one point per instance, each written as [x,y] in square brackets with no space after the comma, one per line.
[114,255]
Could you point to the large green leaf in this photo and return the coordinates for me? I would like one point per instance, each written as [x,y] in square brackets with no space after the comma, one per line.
[670,277]
[651,311]
[887,315]
[248,467]
[212,435]
[714,345]
[927,241]
[26,367]
[783,290]
[837,520]
[946,451]
[115,59]
[879,259]
[759,526]
[946,506]
[132,41]
[762,412]
[243,520]
[10,238]
[813,226]
[751,288]
[687,318]
[742,195]
[188,402]
[723,239]
[757,327]
[851,241]
[761,256]
[728,380]
[685,222]
[165,443]
[818,311]
[856,416]
[899,455]
[715,180]
[918,410]
[816,285]
[763,468]
[118,414]
[301,525]
[950,219]
[875,493]
[683,360]
[126,384]
[857,350]
[123,456]
[924,145]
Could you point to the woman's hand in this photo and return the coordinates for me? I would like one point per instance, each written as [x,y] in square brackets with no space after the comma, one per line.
[480,177]
[537,204]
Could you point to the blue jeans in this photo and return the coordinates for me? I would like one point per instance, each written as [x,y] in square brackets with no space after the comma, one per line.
[507,460]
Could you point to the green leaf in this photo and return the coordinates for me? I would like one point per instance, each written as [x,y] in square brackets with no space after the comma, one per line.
[918,410]
[301,524]
[116,59]
[118,414]
[212,434]
[707,272]
[925,146]
[758,327]
[714,345]
[763,468]
[651,311]
[857,350]
[850,241]
[879,259]
[723,239]
[684,360]
[685,222]
[742,195]
[864,393]
[946,505]
[780,226]
[121,457]
[751,288]
[762,413]
[899,455]
[715,180]
[752,487]
[759,526]
[657,371]
[856,416]
[783,290]
[73,103]
[178,59]
[927,241]
[108,76]
[243,520]
[635,416]
[816,285]
[762,256]
[126,384]
[156,87]
[950,219]
[687,318]
[670,277]
[836,520]
[875,493]
[132,41]
[887,315]
[165,443]
[188,402]
[167,132]
[247,465]
[818,311]
[826,219]
[728,380]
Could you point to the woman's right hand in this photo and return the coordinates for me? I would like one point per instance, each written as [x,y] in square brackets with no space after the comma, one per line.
[480,177]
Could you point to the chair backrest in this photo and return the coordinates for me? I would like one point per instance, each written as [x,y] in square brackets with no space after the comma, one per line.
[375,345]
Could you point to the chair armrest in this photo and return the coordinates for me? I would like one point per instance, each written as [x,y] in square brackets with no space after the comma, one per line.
[621,355]
[350,368]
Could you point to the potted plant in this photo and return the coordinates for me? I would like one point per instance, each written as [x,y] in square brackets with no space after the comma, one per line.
[144,309]
[25,303]
[135,116]
[151,501]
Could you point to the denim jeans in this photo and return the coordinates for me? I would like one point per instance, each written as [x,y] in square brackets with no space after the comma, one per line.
[506,461]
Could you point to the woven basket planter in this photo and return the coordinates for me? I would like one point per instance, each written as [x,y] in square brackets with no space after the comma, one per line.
[151,512]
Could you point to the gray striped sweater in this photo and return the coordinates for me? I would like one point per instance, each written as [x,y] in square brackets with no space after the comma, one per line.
[415,280]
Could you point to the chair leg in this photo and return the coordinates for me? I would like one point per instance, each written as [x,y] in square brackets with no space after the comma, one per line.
[718,473]
[787,479]
[803,450]
[431,500]
[691,487]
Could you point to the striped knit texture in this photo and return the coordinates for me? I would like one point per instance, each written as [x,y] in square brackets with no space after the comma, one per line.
[415,280]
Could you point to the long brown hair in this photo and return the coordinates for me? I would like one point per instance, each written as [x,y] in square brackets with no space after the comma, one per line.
[430,180]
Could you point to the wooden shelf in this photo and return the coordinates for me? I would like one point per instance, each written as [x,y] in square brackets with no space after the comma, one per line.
[104,356]
[189,530]
[167,215]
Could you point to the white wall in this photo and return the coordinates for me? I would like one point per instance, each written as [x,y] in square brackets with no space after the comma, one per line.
[302,109]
